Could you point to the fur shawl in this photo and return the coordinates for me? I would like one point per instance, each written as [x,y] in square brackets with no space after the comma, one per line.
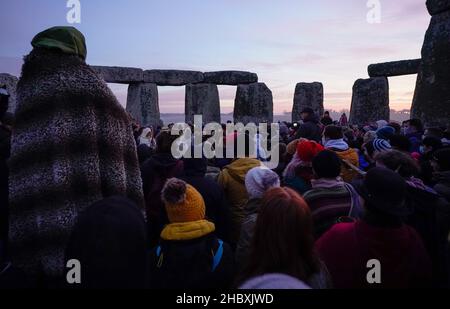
[72,145]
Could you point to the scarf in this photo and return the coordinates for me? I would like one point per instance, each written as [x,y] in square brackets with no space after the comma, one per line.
[187,230]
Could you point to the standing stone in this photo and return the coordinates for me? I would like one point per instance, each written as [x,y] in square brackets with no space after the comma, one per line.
[438,6]
[143,104]
[10,82]
[370,101]
[308,95]
[202,99]
[431,101]
[253,103]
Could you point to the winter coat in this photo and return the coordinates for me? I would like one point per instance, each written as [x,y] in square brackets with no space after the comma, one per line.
[217,209]
[247,231]
[155,172]
[72,145]
[5,146]
[310,129]
[442,186]
[430,217]
[232,180]
[347,248]
[350,155]
[189,264]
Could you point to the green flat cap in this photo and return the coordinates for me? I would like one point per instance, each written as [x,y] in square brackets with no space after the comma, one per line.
[66,39]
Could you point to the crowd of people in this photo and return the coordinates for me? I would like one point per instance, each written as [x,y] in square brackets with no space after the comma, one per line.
[81,180]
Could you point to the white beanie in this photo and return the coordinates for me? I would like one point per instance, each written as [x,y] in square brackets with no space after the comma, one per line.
[382,124]
[259,180]
[274,282]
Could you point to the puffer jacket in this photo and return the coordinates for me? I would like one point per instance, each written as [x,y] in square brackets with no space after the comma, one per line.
[232,180]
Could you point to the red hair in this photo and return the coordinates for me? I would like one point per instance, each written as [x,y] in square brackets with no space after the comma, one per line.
[283,241]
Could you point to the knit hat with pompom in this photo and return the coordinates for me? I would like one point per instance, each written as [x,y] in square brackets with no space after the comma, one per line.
[183,202]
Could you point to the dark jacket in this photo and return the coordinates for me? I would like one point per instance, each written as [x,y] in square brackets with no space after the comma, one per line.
[326,121]
[247,232]
[5,147]
[442,186]
[310,129]
[430,217]
[188,265]
[217,209]
[155,171]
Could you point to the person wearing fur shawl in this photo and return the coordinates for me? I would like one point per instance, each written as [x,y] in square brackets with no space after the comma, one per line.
[72,145]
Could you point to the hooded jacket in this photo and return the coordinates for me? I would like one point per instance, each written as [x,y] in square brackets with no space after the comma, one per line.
[72,145]
[155,172]
[310,129]
[232,180]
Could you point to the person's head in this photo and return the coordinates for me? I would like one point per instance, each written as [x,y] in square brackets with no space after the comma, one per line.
[385,132]
[400,142]
[307,150]
[434,132]
[283,240]
[397,127]
[383,192]
[430,144]
[164,141]
[327,114]
[381,124]
[182,201]
[66,40]
[4,101]
[379,146]
[274,282]
[413,126]
[441,160]
[399,162]
[306,113]
[369,136]
[109,240]
[327,165]
[332,132]
[260,179]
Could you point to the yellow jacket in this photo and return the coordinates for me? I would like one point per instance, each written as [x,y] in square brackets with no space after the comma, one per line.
[232,180]
[350,155]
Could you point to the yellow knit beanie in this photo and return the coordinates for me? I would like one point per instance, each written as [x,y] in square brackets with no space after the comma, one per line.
[183,202]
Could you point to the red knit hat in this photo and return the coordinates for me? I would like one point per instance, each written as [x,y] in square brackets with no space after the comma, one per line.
[307,150]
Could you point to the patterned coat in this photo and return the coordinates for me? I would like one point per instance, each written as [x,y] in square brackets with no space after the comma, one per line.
[72,145]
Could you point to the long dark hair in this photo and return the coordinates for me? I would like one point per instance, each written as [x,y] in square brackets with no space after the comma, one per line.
[283,241]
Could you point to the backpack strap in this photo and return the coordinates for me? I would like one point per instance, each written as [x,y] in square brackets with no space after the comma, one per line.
[355,211]
[218,256]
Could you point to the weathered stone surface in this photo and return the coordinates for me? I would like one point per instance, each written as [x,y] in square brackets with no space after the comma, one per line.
[394,68]
[253,103]
[438,6]
[231,78]
[120,75]
[143,104]
[10,82]
[307,95]
[173,77]
[370,101]
[202,99]
[431,101]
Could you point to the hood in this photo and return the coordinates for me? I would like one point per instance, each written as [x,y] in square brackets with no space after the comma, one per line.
[239,168]
[195,167]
